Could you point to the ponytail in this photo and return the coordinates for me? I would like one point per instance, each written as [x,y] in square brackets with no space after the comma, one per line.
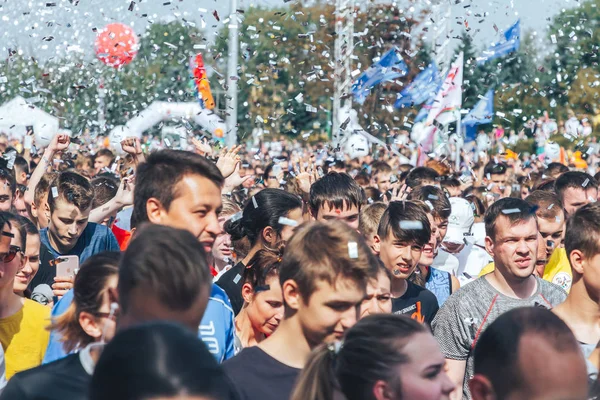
[67,326]
[317,380]
[372,350]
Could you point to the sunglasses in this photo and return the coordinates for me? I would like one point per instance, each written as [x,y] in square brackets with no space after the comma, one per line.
[12,253]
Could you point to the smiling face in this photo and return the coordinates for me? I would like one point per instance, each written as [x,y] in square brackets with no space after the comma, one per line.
[9,270]
[430,249]
[195,208]
[514,247]
[31,266]
[399,258]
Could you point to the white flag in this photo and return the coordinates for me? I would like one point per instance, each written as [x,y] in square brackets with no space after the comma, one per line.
[449,98]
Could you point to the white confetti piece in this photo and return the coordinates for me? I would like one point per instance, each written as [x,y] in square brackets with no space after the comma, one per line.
[238,215]
[411,225]
[237,278]
[585,183]
[54,192]
[254,202]
[511,211]
[352,249]
[287,221]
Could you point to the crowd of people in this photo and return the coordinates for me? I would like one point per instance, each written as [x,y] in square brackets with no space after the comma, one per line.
[293,272]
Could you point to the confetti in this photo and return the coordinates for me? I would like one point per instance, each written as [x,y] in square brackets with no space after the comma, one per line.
[287,221]
[411,225]
[511,211]
[237,278]
[254,202]
[352,249]
[54,192]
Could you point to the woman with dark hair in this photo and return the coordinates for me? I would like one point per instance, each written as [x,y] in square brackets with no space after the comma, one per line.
[87,324]
[383,356]
[268,219]
[263,301]
[158,360]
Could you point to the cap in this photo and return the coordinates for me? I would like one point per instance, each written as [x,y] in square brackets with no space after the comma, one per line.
[460,221]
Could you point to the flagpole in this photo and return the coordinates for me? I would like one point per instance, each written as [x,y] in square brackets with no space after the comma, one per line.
[459,136]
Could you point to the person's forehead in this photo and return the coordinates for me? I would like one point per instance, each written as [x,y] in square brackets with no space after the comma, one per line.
[518,228]
[341,289]
[199,189]
[67,210]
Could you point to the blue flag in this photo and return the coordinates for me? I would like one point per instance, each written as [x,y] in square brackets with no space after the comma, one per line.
[389,67]
[482,113]
[511,42]
[424,86]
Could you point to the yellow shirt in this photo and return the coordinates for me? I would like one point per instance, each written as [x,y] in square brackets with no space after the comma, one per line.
[558,270]
[24,337]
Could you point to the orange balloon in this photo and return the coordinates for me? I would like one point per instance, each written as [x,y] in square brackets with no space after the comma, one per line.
[116,45]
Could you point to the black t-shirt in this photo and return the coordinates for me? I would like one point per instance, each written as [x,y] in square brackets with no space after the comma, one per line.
[60,380]
[231,283]
[418,303]
[47,272]
[257,375]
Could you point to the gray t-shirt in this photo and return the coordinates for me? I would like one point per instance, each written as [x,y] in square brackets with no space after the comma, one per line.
[466,314]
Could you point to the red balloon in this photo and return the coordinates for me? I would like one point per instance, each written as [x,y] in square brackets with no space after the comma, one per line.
[116,45]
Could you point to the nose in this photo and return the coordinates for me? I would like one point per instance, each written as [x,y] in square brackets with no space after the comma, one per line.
[406,254]
[213,225]
[447,384]
[349,318]
[72,230]
[279,314]
[522,247]
[27,268]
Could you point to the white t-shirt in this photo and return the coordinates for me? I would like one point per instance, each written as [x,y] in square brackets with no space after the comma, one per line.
[445,261]
[3,381]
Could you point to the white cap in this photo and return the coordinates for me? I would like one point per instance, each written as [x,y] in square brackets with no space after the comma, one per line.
[460,221]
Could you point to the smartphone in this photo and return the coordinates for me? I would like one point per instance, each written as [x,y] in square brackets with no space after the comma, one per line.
[67,265]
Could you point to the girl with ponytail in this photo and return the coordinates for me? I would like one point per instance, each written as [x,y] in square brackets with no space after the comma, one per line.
[383,357]
[269,218]
[90,318]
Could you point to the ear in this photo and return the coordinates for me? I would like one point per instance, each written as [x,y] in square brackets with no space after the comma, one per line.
[481,388]
[154,210]
[291,294]
[577,260]
[247,292]
[376,246]
[269,235]
[34,211]
[489,246]
[381,391]
[47,210]
[89,324]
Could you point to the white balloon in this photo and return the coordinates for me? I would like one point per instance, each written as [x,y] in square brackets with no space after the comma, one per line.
[43,134]
[552,150]
[357,146]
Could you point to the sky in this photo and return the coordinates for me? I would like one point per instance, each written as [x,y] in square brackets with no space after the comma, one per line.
[46,28]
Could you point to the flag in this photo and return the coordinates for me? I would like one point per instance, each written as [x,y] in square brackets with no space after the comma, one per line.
[510,43]
[200,82]
[449,97]
[482,113]
[390,66]
[424,87]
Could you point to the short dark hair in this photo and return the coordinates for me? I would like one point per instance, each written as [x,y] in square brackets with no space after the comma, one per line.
[265,209]
[105,188]
[105,153]
[320,251]
[496,354]
[264,265]
[494,168]
[417,176]
[516,210]
[74,189]
[16,223]
[546,185]
[170,262]
[407,221]
[43,187]
[158,359]
[380,166]
[436,197]
[548,204]
[555,168]
[163,170]
[450,182]
[337,190]
[583,231]
[574,180]
[21,164]
[9,178]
